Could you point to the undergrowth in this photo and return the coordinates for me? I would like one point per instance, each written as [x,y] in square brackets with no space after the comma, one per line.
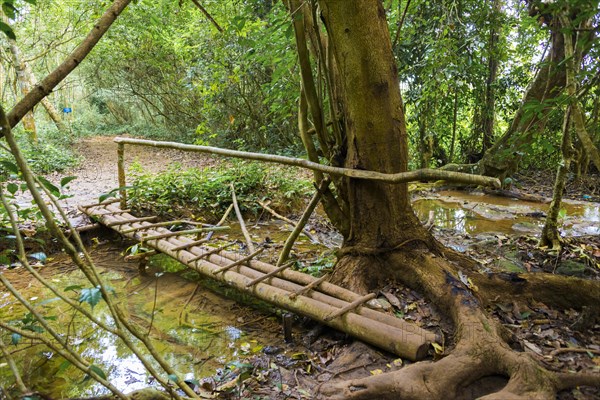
[206,192]
[52,153]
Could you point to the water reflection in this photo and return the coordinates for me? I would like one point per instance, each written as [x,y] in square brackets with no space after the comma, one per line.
[472,214]
[196,334]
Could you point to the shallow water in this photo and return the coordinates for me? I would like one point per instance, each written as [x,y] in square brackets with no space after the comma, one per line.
[472,213]
[197,330]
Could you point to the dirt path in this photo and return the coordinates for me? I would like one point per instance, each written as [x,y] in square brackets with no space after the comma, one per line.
[97,172]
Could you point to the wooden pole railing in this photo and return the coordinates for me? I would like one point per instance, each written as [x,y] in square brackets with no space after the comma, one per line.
[400,177]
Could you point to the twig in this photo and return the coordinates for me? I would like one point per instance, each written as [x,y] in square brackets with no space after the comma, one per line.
[400,24]
[188,301]
[289,243]
[153,304]
[573,350]
[207,15]
[238,213]
[13,368]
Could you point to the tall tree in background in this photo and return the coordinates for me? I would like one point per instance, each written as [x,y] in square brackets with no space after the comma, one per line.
[502,158]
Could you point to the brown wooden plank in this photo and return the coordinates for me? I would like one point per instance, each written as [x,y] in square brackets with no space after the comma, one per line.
[270,274]
[130,221]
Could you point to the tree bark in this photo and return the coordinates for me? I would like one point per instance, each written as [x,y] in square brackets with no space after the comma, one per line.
[380,214]
[24,87]
[490,93]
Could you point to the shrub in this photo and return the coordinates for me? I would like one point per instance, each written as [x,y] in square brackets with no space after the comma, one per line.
[207,192]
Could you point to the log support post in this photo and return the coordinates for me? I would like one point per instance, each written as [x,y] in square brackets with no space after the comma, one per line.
[121,172]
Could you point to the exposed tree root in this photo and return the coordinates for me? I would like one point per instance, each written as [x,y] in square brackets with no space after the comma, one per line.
[480,348]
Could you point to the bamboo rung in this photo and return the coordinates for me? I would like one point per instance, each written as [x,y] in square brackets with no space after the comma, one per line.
[156,225]
[115,212]
[171,234]
[241,261]
[356,303]
[190,244]
[190,231]
[210,253]
[130,221]
[309,287]
[104,203]
[270,274]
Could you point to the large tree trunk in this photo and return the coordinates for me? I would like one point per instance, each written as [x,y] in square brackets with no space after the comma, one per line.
[380,215]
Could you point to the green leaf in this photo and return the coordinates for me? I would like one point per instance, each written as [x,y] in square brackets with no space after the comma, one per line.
[91,296]
[65,181]
[4,260]
[95,369]
[7,31]
[173,378]
[49,185]
[12,188]
[9,10]
[15,338]
[65,364]
[7,164]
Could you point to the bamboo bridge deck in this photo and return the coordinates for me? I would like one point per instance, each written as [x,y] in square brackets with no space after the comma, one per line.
[296,292]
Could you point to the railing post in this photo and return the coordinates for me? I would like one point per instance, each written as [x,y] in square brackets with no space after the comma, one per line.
[121,171]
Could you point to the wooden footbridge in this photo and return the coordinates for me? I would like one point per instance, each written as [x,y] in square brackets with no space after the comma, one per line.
[291,290]
[279,285]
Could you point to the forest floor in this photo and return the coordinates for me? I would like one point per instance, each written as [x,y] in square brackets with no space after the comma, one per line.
[560,340]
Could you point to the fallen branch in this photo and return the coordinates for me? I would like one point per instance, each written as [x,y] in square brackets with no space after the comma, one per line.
[241,219]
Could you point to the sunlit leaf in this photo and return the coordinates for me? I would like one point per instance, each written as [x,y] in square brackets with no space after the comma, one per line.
[66,180]
[439,349]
